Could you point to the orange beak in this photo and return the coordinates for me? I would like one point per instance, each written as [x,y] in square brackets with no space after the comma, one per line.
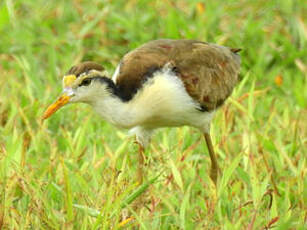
[60,102]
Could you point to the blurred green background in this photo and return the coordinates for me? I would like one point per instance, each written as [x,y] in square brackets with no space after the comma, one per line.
[76,172]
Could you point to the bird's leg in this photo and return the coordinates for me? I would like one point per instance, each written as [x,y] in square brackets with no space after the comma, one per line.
[141,163]
[142,136]
[214,165]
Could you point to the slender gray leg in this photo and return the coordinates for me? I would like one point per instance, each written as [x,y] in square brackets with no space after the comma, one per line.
[214,165]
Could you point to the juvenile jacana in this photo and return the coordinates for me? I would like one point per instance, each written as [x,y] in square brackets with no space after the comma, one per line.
[164,83]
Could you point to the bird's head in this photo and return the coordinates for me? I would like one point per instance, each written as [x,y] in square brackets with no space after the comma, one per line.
[82,83]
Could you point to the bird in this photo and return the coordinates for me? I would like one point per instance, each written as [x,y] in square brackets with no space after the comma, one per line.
[162,83]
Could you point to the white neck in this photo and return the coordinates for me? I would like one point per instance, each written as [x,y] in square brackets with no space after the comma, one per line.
[117,112]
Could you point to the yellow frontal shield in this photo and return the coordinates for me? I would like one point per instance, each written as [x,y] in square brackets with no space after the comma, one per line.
[68,80]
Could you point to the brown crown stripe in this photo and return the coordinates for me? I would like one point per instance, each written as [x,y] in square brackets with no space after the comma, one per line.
[84,67]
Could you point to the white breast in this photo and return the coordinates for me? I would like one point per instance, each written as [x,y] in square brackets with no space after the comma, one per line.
[164,102]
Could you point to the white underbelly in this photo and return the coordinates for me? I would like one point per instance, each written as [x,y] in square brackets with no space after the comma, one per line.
[192,118]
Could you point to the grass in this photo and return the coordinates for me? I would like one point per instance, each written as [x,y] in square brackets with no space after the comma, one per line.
[77,172]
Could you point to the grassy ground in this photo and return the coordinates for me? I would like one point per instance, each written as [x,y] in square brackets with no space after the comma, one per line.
[77,172]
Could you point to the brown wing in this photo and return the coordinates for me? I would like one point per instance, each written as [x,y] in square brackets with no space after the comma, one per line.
[209,72]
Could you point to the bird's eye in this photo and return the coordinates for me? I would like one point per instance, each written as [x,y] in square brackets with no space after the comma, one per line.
[86,82]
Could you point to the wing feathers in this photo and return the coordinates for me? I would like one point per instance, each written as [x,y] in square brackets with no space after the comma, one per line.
[209,72]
